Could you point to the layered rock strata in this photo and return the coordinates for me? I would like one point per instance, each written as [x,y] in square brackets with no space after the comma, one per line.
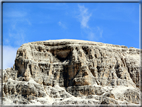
[73,72]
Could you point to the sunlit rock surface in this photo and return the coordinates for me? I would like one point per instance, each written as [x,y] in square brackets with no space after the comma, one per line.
[73,72]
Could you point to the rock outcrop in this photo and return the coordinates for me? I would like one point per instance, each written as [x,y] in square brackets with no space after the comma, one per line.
[73,72]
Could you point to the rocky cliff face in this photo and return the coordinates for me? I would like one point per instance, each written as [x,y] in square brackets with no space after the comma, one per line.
[62,72]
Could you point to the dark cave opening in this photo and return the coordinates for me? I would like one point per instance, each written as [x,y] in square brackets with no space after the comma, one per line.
[64,55]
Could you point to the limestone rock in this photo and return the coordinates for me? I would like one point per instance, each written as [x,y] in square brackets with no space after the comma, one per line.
[73,72]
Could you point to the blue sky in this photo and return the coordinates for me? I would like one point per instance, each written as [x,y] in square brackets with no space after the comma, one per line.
[113,23]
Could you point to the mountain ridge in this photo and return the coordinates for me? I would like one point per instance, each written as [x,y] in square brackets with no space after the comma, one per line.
[55,72]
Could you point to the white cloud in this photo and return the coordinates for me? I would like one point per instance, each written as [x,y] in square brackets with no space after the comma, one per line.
[9,55]
[15,14]
[84,16]
[16,36]
[16,33]
[93,33]
[91,36]
[62,25]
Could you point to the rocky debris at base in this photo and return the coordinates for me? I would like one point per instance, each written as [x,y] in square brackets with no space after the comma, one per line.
[73,72]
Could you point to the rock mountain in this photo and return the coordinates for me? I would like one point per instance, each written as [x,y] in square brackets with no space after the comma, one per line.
[73,72]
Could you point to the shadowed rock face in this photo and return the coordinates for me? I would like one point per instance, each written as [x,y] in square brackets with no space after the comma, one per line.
[73,72]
